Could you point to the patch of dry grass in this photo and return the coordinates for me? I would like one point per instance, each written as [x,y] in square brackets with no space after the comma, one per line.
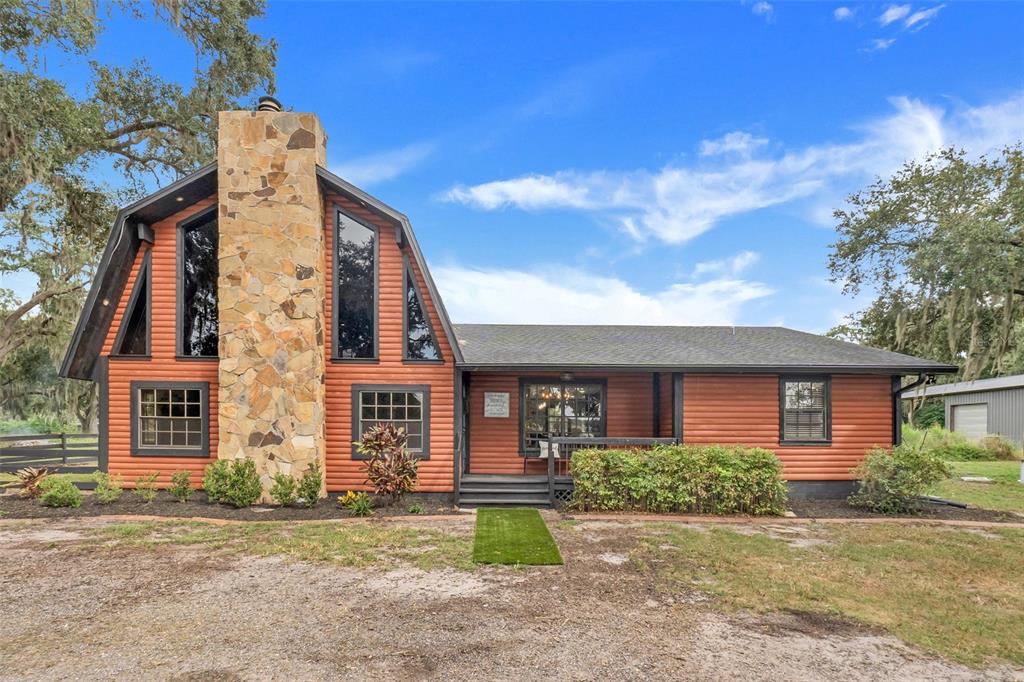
[345,544]
[955,592]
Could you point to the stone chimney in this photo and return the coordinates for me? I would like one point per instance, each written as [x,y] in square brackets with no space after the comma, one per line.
[271,290]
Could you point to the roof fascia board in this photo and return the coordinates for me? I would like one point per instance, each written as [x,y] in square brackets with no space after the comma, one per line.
[708,369]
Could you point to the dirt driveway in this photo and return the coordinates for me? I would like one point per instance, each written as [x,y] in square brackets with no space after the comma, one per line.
[77,611]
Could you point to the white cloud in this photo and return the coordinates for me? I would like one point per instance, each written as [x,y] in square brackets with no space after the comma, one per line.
[383,166]
[737,142]
[732,267]
[842,13]
[881,44]
[519,296]
[922,17]
[763,9]
[893,13]
[679,202]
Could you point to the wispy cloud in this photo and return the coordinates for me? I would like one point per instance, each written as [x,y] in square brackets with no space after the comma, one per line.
[736,142]
[732,267]
[763,9]
[679,202]
[384,166]
[842,13]
[893,13]
[880,44]
[520,296]
[922,18]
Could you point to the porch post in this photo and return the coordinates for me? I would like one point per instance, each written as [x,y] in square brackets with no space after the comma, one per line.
[677,406]
[460,431]
[656,404]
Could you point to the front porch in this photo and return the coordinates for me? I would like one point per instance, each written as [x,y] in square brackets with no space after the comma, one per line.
[507,414]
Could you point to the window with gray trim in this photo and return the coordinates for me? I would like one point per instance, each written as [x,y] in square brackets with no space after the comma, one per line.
[419,335]
[170,418]
[560,409]
[407,407]
[133,335]
[806,410]
[198,287]
[355,289]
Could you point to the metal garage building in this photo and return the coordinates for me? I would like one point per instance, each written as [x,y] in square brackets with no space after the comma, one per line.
[982,407]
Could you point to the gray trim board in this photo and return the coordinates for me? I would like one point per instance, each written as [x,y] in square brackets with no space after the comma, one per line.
[101,375]
[897,411]
[677,407]
[335,288]
[424,388]
[656,405]
[138,450]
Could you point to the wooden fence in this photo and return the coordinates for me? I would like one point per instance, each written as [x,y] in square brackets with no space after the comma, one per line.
[65,452]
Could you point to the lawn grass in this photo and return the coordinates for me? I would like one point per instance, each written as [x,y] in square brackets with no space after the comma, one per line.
[514,537]
[1006,493]
[950,591]
[350,544]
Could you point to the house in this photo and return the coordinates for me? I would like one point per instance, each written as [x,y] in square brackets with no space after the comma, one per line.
[263,307]
[981,407]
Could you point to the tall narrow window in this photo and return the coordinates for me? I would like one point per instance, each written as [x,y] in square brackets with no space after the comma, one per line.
[355,289]
[133,336]
[806,410]
[197,311]
[419,335]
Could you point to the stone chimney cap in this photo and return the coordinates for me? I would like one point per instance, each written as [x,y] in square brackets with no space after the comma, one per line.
[268,103]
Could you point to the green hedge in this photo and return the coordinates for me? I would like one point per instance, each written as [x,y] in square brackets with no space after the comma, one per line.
[712,479]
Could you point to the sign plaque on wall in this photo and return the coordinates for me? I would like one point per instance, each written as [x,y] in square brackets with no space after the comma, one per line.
[495,404]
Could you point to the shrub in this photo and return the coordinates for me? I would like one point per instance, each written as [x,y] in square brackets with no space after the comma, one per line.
[416,509]
[931,412]
[145,487]
[891,481]
[181,485]
[359,504]
[960,452]
[244,487]
[310,484]
[284,489]
[712,479]
[391,469]
[29,481]
[58,491]
[108,488]
[215,480]
[1000,448]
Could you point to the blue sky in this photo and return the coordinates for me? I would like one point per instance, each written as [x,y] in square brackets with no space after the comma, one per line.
[634,163]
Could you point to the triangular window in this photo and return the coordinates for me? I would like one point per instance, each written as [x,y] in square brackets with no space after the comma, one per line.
[419,336]
[133,336]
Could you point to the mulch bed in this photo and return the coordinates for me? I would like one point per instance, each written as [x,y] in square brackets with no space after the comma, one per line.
[839,509]
[14,507]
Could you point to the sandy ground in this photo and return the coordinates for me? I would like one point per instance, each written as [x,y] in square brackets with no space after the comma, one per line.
[174,613]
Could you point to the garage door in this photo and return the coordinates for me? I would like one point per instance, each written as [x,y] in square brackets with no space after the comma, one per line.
[971,420]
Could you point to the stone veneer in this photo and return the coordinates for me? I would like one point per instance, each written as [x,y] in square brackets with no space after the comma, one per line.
[271,291]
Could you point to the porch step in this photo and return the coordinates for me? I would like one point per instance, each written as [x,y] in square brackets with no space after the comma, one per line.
[490,490]
[504,501]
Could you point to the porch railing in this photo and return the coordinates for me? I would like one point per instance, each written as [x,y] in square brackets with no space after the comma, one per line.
[562,448]
[67,452]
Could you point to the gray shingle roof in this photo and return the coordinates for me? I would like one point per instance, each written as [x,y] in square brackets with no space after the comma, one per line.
[976,386]
[709,348]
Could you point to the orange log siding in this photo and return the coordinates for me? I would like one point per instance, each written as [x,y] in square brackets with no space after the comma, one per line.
[737,409]
[744,409]
[494,441]
[162,365]
[343,473]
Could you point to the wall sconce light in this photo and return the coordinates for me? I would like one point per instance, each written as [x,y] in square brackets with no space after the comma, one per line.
[565,376]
